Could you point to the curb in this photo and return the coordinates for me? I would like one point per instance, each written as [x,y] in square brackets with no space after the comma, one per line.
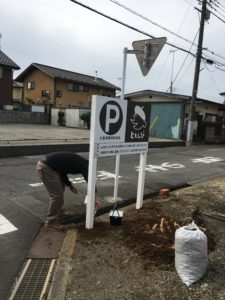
[22,150]
[63,268]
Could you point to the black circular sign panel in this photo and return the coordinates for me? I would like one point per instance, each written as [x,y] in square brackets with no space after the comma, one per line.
[114,121]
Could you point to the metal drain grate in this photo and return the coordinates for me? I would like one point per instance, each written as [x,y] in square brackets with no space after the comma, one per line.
[33,281]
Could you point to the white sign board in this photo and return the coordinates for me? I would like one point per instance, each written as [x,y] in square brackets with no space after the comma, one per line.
[121,126]
[117,127]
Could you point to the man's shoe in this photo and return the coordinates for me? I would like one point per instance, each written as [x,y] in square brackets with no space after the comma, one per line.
[66,213]
[54,226]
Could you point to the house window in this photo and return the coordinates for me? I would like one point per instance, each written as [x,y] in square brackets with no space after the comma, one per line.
[74,87]
[0,72]
[58,93]
[83,88]
[45,93]
[70,86]
[30,85]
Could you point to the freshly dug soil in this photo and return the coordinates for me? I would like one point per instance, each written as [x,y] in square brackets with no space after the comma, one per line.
[136,260]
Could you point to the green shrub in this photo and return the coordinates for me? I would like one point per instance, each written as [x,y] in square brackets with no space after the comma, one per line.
[61,118]
[86,117]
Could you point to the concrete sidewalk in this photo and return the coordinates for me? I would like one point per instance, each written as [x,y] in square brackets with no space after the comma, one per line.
[28,139]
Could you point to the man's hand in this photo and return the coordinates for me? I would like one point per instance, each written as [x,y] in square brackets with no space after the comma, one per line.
[97,205]
[73,189]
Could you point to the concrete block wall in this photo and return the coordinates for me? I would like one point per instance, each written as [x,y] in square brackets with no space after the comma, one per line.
[23,117]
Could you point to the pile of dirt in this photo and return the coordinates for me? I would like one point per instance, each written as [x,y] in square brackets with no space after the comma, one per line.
[151,235]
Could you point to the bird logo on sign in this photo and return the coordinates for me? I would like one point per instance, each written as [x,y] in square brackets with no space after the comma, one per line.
[139,118]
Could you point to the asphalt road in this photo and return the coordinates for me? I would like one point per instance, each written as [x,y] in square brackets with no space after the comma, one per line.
[24,200]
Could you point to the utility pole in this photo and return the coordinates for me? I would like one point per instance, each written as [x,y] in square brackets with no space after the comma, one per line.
[196,76]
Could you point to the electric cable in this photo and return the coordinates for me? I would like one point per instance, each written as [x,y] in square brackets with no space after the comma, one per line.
[127,25]
[132,27]
[167,57]
[160,26]
[216,10]
[219,68]
[216,16]
[184,60]
[185,71]
[149,20]
[212,78]
[219,5]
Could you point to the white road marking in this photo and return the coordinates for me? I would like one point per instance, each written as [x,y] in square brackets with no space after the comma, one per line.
[6,226]
[206,160]
[166,166]
[36,184]
[163,167]
[101,175]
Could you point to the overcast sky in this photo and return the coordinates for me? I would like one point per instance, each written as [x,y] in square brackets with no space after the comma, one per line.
[65,35]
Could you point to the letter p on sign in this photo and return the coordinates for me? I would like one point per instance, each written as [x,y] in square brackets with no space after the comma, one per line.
[112,116]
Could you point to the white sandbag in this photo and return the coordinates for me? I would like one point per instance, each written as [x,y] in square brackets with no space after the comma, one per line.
[191,253]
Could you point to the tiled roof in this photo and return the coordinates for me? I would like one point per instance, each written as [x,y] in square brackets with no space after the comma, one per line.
[68,76]
[6,61]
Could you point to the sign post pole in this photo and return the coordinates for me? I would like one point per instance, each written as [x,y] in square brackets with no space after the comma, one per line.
[91,171]
[125,51]
[141,180]
[115,196]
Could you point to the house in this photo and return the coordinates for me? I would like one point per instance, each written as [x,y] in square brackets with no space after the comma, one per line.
[61,88]
[6,79]
[170,113]
[223,94]
[17,92]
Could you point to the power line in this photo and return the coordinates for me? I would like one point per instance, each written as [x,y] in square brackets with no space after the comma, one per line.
[184,60]
[212,78]
[216,16]
[219,68]
[149,20]
[185,71]
[212,7]
[133,28]
[127,25]
[160,26]
[218,5]
[166,60]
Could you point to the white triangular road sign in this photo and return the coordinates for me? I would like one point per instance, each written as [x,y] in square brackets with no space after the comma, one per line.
[147,51]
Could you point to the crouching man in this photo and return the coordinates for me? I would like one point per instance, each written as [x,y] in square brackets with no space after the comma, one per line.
[53,169]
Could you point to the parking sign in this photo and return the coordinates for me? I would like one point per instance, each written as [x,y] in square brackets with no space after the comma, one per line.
[121,127]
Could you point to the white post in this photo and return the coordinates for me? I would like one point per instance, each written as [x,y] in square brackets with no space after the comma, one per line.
[190,132]
[141,180]
[125,50]
[116,181]
[91,170]
[121,98]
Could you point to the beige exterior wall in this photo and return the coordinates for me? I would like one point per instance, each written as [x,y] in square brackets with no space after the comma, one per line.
[78,99]
[205,108]
[42,82]
[68,98]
